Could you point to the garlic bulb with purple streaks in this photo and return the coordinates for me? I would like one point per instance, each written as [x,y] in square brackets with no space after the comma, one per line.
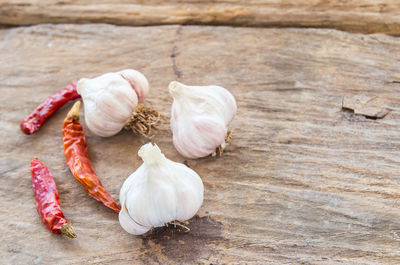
[158,192]
[200,116]
[111,98]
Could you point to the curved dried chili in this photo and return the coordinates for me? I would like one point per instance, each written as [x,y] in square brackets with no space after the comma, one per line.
[47,200]
[50,105]
[76,155]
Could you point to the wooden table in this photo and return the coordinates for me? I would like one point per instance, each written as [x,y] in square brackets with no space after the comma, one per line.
[303,181]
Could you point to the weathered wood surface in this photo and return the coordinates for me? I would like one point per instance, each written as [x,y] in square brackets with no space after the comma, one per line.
[302,182]
[366,16]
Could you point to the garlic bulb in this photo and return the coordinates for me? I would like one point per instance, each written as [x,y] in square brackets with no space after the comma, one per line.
[158,192]
[111,98]
[200,116]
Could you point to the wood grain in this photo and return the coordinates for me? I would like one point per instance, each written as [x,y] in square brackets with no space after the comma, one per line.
[367,16]
[302,182]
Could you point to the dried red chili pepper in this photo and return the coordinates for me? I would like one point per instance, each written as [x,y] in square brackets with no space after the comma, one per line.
[50,105]
[76,155]
[47,201]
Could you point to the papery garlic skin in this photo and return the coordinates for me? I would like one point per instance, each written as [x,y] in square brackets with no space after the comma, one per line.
[137,81]
[110,99]
[158,192]
[200,116]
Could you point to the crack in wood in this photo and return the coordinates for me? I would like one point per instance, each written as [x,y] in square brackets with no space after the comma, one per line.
[175,53]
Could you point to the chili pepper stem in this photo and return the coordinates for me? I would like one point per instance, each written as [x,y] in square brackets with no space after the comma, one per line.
[143,119]
[74,112]
[68,231]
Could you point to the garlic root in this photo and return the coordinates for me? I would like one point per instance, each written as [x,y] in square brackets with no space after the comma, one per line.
[220,148]
[142,120]
[179,224]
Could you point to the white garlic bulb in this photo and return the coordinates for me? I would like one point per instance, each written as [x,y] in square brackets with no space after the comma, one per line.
[200,116]
[111,98]
[158,192]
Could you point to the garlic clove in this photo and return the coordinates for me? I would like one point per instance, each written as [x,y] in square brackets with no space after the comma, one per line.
[110,106]
[98,126]
[190,204]
[137,81]
[159,191]
[210,99]
[200,116]
[129,225]
[190,139]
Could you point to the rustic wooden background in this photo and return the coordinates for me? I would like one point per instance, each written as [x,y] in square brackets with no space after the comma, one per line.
[303,182]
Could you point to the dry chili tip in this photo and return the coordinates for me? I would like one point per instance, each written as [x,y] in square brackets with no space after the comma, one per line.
[76,155]
[47,200]
[38,117]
